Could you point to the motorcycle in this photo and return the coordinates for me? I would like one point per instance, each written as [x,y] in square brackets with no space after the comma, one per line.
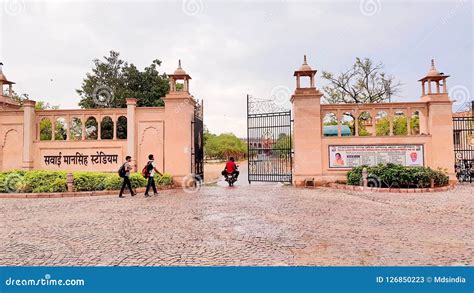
[230,178]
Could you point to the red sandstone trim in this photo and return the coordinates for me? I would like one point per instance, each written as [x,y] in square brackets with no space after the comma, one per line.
[391,190]
[74,194]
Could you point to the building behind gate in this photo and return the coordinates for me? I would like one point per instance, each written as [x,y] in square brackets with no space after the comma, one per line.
[99,139]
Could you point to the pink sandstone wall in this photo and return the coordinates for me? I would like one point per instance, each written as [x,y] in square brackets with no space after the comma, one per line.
[164,132]
[11,143]
[151,136]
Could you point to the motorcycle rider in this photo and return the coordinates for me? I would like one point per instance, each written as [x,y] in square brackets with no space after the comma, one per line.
[230,168]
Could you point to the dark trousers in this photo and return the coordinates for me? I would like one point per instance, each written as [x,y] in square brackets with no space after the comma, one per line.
[126,182]
[151,183]
[235,173]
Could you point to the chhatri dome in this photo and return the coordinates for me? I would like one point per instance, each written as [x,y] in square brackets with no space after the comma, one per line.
[179,70]
[433,71]
[305,66]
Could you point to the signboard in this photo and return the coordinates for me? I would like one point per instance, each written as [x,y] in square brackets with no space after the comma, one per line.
[79,160]
[348,156]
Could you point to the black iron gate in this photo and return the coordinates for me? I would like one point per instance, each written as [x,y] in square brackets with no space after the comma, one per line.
[197,133]
[463,135]
[269,141]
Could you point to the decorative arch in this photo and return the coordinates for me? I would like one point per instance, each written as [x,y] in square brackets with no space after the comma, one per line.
[4,140]
[107,128]
[92,128]
[145,130]
[121,127]
[151,142]
[45,129]
[10,152]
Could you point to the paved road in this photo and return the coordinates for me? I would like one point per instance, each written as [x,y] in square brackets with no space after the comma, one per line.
[245,225]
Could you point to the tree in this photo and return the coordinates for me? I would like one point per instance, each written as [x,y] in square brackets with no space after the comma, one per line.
[113,80]
[46,129]
[41,105]
[382,127]
[364,82]
[282,144]
[19,98]
[223,146]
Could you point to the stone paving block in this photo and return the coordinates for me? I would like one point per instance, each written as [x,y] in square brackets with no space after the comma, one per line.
[245,225]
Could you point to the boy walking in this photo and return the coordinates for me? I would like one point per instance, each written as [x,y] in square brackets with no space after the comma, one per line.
[151,168]
[124,172]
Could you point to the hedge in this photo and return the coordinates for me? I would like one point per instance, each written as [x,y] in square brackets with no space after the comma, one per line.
[55,181]
[33,181]
[398,176]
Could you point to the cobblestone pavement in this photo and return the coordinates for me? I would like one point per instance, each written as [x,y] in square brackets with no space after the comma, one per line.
[244,225]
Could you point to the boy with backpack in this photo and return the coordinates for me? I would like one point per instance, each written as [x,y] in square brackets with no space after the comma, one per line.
[149,172]
[124,172]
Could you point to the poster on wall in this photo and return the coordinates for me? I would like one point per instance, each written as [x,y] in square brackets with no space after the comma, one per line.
[348,156]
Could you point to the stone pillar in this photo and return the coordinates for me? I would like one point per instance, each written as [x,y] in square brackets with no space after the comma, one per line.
[29,119]
[439,153]
[423,122]
[441,120]
[131,131]
[307,135]
[179,112]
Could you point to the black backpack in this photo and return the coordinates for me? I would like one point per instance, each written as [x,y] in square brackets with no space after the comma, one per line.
[122,171]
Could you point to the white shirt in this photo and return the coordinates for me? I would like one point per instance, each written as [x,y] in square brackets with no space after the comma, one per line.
[152,172]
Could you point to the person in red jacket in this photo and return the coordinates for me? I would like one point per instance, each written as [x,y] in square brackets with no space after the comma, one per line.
[230,168]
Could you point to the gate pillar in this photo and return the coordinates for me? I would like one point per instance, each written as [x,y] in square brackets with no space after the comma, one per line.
[440,120]
[179,113]
[307,127]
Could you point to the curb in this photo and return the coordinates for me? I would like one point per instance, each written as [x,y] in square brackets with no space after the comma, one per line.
[390,190]
[76,193]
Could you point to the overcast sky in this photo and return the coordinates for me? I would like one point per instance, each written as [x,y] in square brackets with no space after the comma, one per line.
[231,49]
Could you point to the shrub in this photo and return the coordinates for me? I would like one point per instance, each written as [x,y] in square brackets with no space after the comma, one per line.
[56,181]
[44,181]
[392,175]
[10,181]
[114,182]
[89,181]
[137,180]
[164,180]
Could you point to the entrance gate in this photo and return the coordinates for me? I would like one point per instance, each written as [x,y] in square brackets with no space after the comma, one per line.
[463,135]
[197,134]
[270,154]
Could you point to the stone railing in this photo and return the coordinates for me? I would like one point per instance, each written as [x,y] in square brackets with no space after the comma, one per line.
[81,124]
[364,119]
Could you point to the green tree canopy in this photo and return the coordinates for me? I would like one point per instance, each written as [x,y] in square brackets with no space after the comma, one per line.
[112,80]
[223,146]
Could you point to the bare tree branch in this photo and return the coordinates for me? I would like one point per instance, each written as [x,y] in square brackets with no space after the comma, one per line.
[364,82]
